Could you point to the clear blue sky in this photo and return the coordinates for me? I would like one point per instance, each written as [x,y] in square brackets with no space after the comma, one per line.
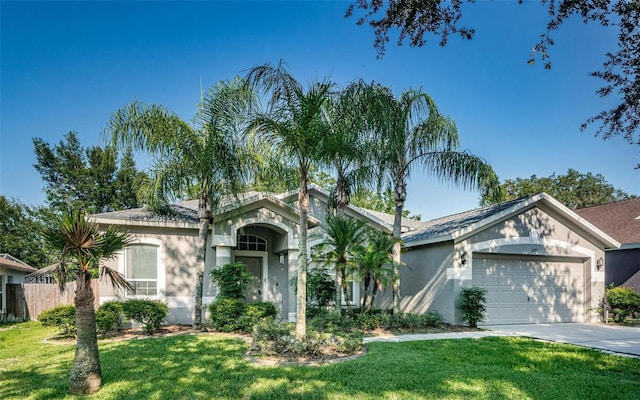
[66,66]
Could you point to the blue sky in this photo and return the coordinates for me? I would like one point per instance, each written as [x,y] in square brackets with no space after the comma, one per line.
[66,66]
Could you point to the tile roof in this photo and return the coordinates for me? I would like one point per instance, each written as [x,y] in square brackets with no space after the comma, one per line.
[185,211]
[620,220]
[452,223]
[12,263]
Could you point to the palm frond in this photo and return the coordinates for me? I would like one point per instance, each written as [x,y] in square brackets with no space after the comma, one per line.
[117,280]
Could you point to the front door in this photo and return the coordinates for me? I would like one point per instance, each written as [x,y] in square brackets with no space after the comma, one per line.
[254,267]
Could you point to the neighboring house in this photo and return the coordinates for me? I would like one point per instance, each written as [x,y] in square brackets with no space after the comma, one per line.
[12,270]
[621,221]
[539,261]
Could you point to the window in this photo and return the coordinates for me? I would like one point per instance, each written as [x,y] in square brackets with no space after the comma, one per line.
[251,243]
[141,269]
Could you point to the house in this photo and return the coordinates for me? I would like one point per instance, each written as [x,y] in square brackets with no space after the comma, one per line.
[621,221]
[539,261]
[12,270]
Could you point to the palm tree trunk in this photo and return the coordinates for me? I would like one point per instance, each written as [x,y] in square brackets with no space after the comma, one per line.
[338,296]
[301,298]
[86,375]
[366,284]
[374,291]
[341,195]
[200,260]
[401,195]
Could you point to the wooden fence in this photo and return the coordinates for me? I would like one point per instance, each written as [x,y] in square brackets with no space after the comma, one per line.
[25,301]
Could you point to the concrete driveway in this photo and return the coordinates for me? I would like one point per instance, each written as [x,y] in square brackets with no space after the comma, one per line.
[609,338]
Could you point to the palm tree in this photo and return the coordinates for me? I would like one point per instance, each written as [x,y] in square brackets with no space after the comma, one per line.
[208,159]
[348,147]
[293,127]
[372,264]
[414,134]
[81,242]
[341,236]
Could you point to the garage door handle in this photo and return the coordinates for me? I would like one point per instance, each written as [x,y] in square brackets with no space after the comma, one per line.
[528,299]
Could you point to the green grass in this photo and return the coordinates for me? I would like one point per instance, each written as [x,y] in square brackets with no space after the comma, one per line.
[210,367]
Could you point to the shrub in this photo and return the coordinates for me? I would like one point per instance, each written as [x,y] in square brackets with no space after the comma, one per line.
[61,317]
[232,280]
[271,338]
[623,301]
[256,312]
[330,321]
[473,305]
[151,314]
[226,314]
[109,317]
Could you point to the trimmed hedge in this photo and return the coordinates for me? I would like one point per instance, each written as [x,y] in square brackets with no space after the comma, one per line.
[61,317]
[151,314]
[109,317]
[623,302]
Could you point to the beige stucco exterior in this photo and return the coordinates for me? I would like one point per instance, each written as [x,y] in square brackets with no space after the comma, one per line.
[436,267]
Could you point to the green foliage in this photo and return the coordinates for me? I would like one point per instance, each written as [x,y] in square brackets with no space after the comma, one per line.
[109,317]
[256,312]
[473,305]
[226,314]
[272,338]
[232,280]
[384,202]
[574,189]
[60,317]
[86,178]
[623,301]
[20,228]
[321,287]
[151,314]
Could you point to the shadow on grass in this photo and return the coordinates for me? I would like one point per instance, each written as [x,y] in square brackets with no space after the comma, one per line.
[212,367]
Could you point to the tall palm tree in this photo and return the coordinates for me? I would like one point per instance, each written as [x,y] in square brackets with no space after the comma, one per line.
[208,158]
[293,127]
[348,148]
[341,236]
[81,242]
[413,134]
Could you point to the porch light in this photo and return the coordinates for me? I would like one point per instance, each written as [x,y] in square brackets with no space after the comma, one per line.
[464,257]
[599,263]
[282,258]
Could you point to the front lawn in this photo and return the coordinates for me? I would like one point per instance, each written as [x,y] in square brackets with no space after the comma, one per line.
[210,366]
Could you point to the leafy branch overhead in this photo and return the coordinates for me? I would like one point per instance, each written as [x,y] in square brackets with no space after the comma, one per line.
[416,19]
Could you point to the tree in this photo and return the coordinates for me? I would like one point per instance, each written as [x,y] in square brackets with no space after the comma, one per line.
[412,131]
[575,189]
[383,201]
[20,227]
[348,146]
[372,263]
[209,158]
[293,127]
[340,237]
[86,178]
[81,242]
[416,19]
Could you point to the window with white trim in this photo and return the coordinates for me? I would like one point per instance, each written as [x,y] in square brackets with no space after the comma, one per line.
[141,269]
[251,243]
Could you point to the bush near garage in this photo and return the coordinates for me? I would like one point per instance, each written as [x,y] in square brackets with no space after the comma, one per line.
[622,301]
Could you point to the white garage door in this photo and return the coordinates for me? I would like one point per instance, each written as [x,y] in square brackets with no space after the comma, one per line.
[525,291]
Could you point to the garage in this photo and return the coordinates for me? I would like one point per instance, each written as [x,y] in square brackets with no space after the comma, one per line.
[531,290]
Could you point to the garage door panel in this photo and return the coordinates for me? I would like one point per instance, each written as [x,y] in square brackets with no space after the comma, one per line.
[523,291]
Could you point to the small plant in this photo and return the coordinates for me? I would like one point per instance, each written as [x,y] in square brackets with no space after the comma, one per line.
[232,280]
[256,312]
[473,305]
[623,302]
[226,314]
[109,317]
[61,317]
[151,314]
